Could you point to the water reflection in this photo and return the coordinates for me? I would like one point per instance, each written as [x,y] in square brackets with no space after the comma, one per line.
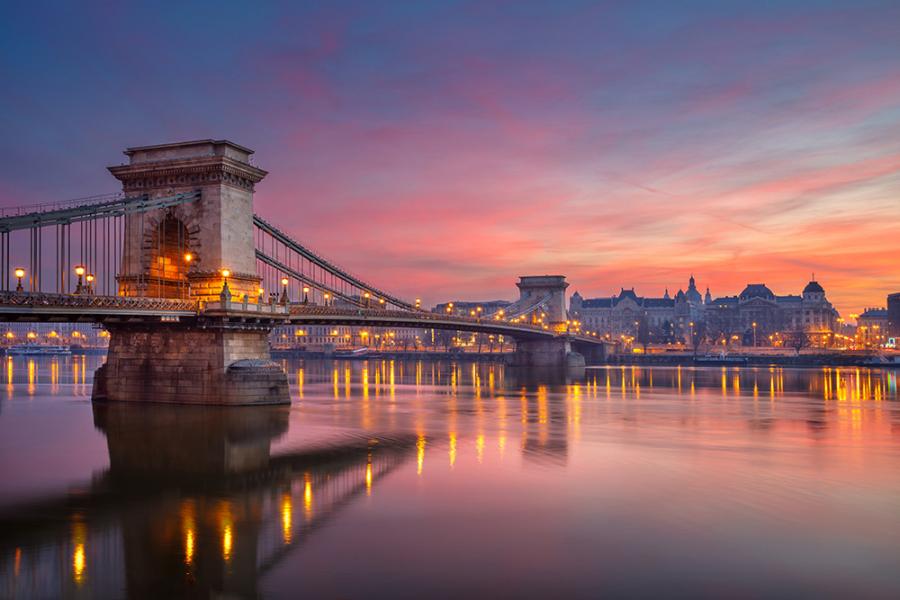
[205,501]
[193,503]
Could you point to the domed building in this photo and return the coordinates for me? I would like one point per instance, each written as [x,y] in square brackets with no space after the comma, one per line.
[757,315]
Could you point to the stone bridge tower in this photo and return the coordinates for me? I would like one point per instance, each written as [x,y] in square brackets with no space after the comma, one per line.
[552,287]
[181,250]
[220,355]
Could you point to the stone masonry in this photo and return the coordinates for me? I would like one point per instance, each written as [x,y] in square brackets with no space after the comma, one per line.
[189,364]
[221,356]
[218,226]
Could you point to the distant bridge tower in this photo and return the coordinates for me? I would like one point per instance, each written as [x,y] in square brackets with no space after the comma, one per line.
[552,287]
[181,250]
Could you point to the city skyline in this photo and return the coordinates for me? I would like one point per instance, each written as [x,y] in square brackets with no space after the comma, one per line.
[446,152]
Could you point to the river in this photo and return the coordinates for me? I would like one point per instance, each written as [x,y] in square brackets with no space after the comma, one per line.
[435,480]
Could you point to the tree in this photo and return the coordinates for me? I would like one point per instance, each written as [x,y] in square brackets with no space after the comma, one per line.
[798,340]
[643,333]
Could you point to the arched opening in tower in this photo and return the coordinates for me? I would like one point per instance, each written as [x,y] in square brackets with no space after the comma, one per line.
[170,258]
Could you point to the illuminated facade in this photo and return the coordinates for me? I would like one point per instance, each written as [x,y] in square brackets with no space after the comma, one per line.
[668,319]
[759,317]
[756,316]
[893,310]
[872,327]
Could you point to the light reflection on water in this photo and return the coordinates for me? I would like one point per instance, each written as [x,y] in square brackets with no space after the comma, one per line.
[431,479]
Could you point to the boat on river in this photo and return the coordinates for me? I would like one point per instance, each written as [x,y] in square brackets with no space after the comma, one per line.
[720,360]
[37,350]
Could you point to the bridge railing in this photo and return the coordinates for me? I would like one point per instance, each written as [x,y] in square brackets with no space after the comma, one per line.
[89,301]
[424,317]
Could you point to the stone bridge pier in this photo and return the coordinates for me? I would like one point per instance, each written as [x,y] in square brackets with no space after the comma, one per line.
[545,353]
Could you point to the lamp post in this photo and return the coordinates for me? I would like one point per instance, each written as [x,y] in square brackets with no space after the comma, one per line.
[284,293]
[305,294]
[261,294]
[754,334]
[79,270]
[418,304]
[367,295]
[90,283]
[225,296]
[327,297]
[20,273]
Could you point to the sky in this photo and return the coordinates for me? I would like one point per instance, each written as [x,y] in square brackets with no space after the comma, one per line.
[443,149]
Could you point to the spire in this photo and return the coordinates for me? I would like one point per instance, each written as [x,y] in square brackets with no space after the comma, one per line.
[666,295]
[708,298]
[691,283]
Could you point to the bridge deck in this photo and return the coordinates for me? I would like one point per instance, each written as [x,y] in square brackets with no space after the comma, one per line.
[18,306]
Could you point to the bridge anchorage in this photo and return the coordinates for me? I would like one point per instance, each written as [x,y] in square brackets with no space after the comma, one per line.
[189,282]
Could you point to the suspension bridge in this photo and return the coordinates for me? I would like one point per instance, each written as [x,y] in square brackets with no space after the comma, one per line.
[188,280]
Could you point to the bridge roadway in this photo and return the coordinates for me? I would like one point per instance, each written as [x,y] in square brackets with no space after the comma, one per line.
[25,307]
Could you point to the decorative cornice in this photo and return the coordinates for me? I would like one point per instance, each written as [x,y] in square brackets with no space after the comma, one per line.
[188,172]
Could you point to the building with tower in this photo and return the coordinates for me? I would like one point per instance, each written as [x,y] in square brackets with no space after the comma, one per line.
[668,319]
[755,316]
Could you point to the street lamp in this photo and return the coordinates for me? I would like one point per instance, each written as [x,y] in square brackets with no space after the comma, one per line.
[381,302]
[305,294]
[90,283]
[20,273]
[284,293]
[327,298]
[188,257]
[754,334]
[418,303]
[79,270]
[226,293]
[367,295]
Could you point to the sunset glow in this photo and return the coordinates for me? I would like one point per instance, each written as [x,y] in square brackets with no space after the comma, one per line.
[443,152]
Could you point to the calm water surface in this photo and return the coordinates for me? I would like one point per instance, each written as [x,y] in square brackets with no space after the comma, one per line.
[422,480]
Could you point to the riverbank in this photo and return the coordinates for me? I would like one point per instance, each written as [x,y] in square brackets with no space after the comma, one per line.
[395,354]
[755,360]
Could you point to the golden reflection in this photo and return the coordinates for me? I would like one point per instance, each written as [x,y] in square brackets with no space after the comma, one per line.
[523,406]
[287,510]
[31,376]
[335,378]
[189,529]
[226,523]
[347,381]
[300,381]
[369,476]
[575,410]
[452,450]
[79,562]
[479,447]
[307,497]
[391,380]
[420,454]
[18,562]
